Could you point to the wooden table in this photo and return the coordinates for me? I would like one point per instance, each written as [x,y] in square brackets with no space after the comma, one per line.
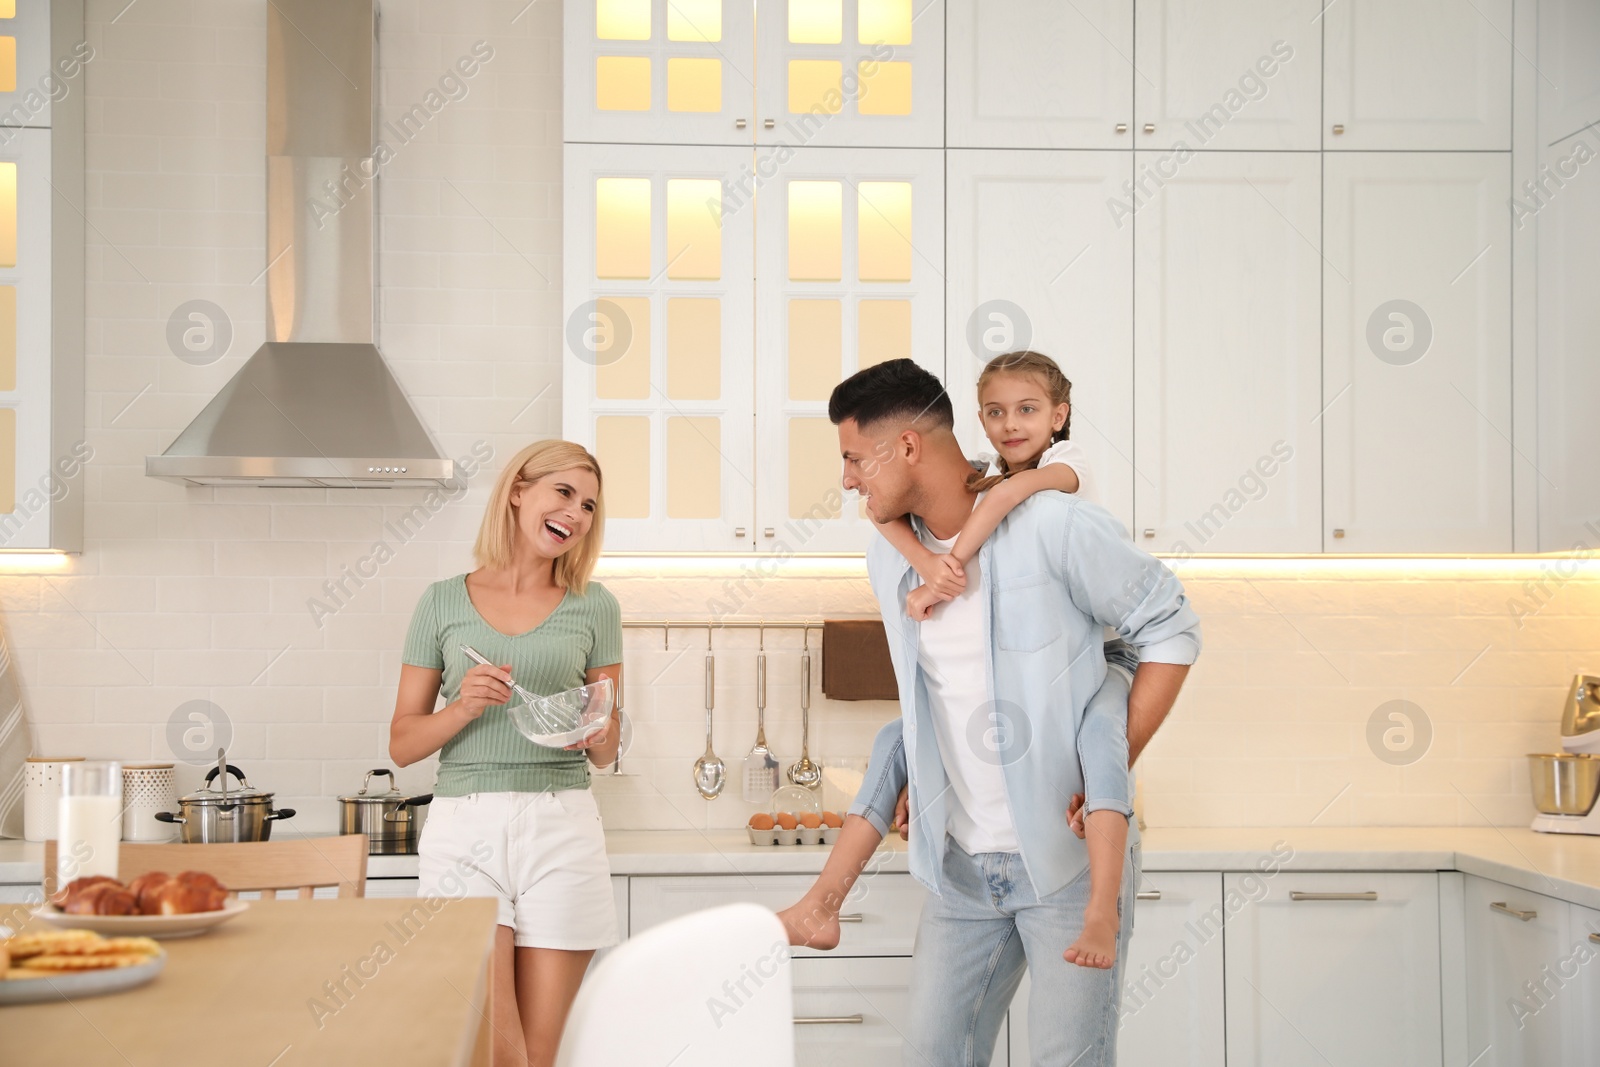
[289,982]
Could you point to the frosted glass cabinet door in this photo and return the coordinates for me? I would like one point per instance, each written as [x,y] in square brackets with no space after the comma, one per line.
[1419,75]
[1417,352]
[1040,74]
[26,462]
[25,58]
[659,71]
[848,274]
[1320,973]
[1039,259]
[1569,321]
[656,366]
[1228,307]
[866,73]
[1228,74]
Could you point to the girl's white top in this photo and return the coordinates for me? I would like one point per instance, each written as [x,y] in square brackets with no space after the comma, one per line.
[1068,452]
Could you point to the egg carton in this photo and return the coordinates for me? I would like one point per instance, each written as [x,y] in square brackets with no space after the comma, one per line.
[800,835]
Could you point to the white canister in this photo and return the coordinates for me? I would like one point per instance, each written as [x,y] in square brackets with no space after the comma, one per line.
[41,796]
[146,789]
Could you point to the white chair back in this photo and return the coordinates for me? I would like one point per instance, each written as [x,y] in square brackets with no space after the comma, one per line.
[712,989]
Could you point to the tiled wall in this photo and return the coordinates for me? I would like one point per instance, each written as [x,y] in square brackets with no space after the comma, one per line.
[201,594]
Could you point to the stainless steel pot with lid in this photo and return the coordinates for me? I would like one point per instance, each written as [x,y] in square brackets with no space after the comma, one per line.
[391,820]
[217,813]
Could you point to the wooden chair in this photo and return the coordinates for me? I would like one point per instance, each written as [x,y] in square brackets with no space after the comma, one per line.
[304,864]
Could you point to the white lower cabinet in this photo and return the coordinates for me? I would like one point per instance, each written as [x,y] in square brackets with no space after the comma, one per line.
[1333,969]
[850,1012]
[1529,992]
[1172,982]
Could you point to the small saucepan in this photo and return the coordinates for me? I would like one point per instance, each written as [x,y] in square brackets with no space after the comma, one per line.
[391,820]
[211,814]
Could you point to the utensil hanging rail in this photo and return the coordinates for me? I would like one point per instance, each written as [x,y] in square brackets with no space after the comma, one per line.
[666,626]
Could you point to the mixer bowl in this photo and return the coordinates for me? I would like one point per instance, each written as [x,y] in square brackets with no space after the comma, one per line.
[1564,783]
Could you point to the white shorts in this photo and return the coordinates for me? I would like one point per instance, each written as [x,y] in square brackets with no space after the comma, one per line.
[542,855]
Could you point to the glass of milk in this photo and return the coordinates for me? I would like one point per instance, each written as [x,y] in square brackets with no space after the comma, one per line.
[90,821]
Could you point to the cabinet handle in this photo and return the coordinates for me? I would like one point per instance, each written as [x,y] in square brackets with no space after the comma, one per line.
[1595,938]
[850,918]
[1149,127]
[1147,894]
[1295,894]
[1122,127]
[769,532]
[770,124]
[1338,129]
[739,124]
[1149,531]
[1526,916]
[738,531]
[1338,531]
[825,1020]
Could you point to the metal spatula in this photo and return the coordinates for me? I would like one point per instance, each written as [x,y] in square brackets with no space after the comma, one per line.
[760,765]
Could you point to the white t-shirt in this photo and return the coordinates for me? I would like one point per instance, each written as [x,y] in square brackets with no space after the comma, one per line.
[1068,452]
[955,665]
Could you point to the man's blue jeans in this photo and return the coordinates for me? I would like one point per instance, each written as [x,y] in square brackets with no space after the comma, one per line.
[976,939]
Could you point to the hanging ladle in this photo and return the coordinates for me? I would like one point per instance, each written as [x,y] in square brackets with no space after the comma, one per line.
[803,772]
[709,773]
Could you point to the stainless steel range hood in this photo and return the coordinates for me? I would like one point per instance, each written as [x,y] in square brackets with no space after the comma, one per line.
[315,405]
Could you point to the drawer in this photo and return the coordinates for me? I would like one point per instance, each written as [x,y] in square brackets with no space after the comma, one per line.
[853,1012]
[880,915]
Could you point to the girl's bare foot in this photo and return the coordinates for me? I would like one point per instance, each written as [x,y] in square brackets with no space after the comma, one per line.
[1097,944]
[812,924]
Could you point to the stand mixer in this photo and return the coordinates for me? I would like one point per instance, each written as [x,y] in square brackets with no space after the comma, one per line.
[1566,786]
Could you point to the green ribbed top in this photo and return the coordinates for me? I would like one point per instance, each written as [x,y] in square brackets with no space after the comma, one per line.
[489,755]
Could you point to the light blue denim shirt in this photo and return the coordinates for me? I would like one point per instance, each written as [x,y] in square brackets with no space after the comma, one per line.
[1057,570]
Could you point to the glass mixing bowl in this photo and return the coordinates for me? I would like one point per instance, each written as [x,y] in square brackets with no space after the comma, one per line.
[564,718]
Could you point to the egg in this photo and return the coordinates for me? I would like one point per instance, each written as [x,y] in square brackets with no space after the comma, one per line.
[811,820]
[761,821]
[831,818]
[786,821]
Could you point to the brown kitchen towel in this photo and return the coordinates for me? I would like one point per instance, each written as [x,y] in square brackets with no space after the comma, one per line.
[15,745]
[855,661]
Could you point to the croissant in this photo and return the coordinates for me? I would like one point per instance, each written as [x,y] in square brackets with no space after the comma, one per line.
[145,889]
[177,898]
[104,898]
[74,888]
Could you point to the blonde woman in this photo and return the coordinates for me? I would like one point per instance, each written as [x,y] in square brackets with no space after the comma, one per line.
[511,819]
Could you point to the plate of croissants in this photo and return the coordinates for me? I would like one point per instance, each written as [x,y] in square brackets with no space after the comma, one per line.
[155,904]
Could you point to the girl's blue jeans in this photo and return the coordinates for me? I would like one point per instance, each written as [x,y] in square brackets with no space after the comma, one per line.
[1102,751]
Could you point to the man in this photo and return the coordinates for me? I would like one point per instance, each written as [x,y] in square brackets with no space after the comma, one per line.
[990,699]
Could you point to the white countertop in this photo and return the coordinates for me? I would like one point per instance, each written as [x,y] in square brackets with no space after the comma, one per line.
[1566,867]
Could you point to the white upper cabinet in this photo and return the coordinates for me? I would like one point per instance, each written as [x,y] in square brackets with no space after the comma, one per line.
[1417,353]
[851,73]
[1515,937]
[1228,74]
[1569,74]
[1039,260]
[1334,969]
[850,254]
[657,374]
[1227,324]
[1040,74]
[1568,221]
[660,71]
[1417,75]
[28,469]
[26,77]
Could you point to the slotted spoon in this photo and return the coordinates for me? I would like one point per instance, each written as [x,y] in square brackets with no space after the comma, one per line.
[760,765]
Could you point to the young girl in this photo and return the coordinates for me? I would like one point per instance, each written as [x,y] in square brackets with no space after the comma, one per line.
[1026,406]
[511,819]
